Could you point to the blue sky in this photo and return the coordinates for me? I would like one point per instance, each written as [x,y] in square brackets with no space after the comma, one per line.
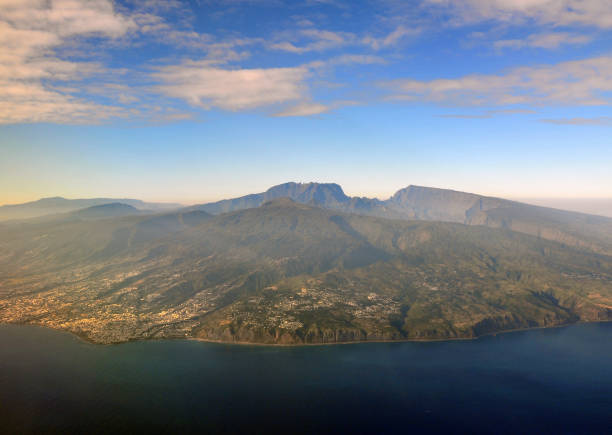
[199,100]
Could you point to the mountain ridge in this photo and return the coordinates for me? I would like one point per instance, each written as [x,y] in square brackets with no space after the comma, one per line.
[443,205]
[58,204]
[410,203]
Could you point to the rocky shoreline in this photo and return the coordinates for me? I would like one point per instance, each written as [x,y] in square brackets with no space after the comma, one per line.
[345,337]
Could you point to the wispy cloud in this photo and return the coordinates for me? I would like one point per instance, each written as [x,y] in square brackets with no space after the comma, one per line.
[581,82]
[158,29]
[346,59]
[594,13]
[306,40]
[204,85]
[312,39]
[30,31]
[310,108]
[64,18]
[47,75]
[38,85]
[548,40]
[303,109]
[392,38]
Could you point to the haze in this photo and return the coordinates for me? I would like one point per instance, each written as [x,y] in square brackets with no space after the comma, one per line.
[198,101]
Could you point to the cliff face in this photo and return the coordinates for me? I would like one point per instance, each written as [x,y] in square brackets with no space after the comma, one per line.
[312,335]
[319,335]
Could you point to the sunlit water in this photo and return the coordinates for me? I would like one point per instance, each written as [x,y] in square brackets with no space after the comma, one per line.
[554,381]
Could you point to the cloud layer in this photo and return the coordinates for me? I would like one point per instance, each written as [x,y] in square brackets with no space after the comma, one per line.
[597,13]
[206,86]
[30,32]
[581,82]
[549,40]
[55,65]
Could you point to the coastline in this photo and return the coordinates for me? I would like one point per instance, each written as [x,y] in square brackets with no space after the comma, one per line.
[403,340]
[86,340]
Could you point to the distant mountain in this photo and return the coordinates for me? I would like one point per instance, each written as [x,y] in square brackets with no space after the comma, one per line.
[426,203]
[114,209]
[288,272]
[46,206]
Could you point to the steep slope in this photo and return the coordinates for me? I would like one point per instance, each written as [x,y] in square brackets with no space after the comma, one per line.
[288,272]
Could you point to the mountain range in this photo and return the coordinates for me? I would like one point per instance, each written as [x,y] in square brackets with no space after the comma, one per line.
[305,263]
[56,205]
[431,204]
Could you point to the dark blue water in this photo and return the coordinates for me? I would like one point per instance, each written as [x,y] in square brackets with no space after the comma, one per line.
[545,381]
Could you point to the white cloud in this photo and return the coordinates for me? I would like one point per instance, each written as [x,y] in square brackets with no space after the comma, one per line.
[32,102]
[30,31]
[65,18]
[580,82]
[544,40]
[204,85]
[37,84]
[311,39]
[596,13]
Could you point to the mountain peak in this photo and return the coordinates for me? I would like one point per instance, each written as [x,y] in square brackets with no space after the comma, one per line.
[325,193]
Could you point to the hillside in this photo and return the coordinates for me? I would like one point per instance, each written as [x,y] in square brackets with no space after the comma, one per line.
[292,273]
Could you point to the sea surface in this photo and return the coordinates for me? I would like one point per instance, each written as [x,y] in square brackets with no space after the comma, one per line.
[539,381]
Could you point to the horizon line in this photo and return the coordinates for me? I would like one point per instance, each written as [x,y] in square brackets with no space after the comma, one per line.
[382,197]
